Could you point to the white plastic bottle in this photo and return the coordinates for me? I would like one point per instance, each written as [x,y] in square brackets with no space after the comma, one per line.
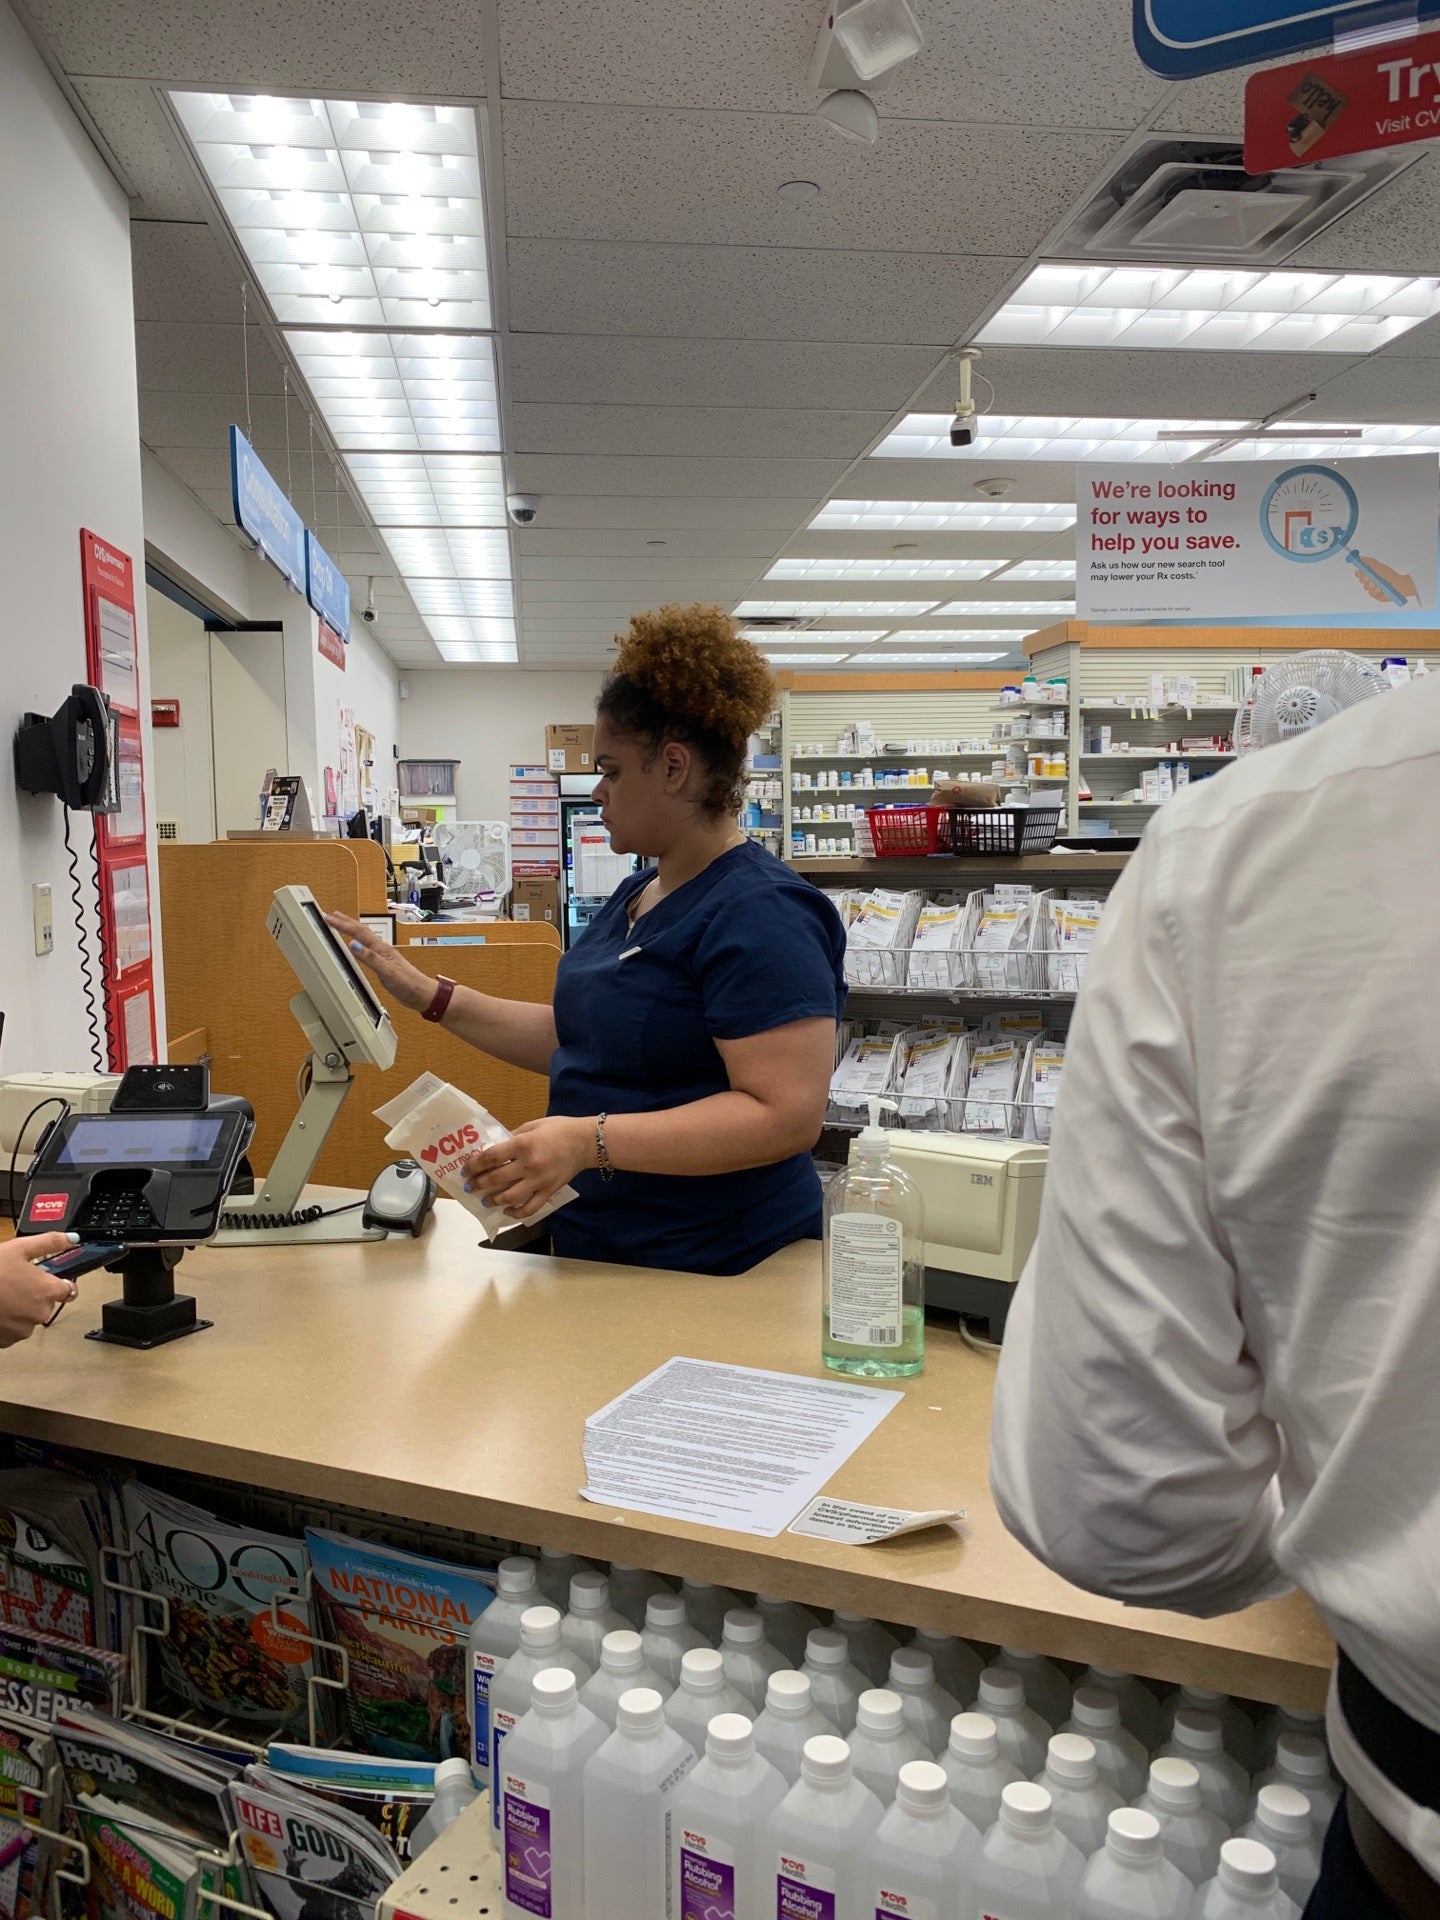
[1224,1783]
[702,1693]
[1283,1821]
[1026,1869]
[818,1838]
[789,1719]
[1046,1688]
[977,1770]
[1190,1833]
[454,1792]
[630,1591]
[870,1644]
[1139,1708]
[836,1683]
[882,1743]
[929,1709]
[622,1668]
[542,1801]
[1023,1735]
[873,1264]
[1284,1720]
[957,1665]
[787,1624]
[629,1786]
[555,1572]
[721,1812]
[1129,1878]
[1246,1887]
[1302,1762]
[1236,1726]
[591,1616]
[1121,1758]
[749,1657]
[667,1635]
[706,1606]
[923,1854]
[1080,1800]
[494,1636]
[510,1690]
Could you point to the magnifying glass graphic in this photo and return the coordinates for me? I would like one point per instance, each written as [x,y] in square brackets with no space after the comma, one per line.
[1311,513]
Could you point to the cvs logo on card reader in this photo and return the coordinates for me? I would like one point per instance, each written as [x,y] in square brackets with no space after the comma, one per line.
[48,1206]
[466,1136]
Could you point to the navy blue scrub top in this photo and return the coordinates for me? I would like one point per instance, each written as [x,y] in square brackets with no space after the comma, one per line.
[743,948]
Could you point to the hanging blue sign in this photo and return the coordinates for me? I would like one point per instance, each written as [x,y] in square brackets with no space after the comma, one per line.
[262,511]
[1180,38]
[326,588]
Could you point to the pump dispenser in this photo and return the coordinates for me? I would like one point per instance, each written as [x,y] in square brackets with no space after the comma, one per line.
[874,1257]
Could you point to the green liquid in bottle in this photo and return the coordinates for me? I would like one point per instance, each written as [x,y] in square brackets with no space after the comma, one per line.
[879,1362]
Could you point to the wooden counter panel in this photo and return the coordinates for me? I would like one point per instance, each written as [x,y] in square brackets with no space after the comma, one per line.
[447,1383]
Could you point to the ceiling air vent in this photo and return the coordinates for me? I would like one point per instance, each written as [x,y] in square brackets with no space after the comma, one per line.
[777,622]
[1191,202]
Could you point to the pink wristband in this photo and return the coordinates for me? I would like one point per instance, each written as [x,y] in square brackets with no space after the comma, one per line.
[435,1012]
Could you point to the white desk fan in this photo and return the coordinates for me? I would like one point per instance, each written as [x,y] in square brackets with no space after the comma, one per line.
[474,860]
[1302,692]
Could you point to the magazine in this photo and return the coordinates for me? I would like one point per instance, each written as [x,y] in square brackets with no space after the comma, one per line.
[150,1776]
[50,1568]
[27,1760]
[393,1796]
[223,1652]
[140,1871]
[404,1622]
[40,1675]
[309,1861]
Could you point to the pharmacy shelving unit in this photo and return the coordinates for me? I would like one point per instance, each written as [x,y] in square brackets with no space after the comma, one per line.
[765,782]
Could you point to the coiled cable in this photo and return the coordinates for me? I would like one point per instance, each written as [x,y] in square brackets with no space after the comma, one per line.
[87,970]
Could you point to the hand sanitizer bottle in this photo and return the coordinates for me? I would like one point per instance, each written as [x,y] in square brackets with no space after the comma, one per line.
[1282,1820]
[874,1264]
[817,1840]
[1190,1833]
[454,1792]
[882,1743]
[1130,1878]
[1046,1688]
[928,1708]
[923,1852]
[1026,1868]
[1247,1887]
[702,1693]
[1284,1720]
[1236,1726]
[494,1636]
[1023,1735]
[786,1625]
[622,1668]
[721,1811]
[667,1635]
[957,1665]
[1224,1783]
[542,1801]
[749,1658]
[591,1616]
[1304,1763]
[628,1810]
[631,1588]
[1139,1709]
[1122,1759]
[556,1571]
[870,1644]
[706,1606]
[977,1772]
[836,1683]
[1079,1799]
[510,1692]
[790,1719]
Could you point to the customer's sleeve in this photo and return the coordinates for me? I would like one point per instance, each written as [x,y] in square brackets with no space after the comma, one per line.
[769,956]
[1129,1448]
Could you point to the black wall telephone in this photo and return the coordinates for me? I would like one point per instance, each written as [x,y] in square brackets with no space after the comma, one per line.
[73,754]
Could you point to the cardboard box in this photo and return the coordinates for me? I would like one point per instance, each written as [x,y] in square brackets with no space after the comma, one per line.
[535,900]
[570,748]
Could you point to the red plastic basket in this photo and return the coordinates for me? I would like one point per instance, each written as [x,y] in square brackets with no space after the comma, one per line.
[904,832]
[899,831]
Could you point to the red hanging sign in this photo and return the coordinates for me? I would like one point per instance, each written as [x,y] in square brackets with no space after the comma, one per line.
[1334,103]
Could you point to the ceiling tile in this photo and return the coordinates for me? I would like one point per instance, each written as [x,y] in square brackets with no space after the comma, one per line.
[133,125]
[1391,232]
[1111,383]
[1421,343]
[1380,389]
[196,358]
[667,513]
[750,432]
[545,473]
[612,371]
[183,273]
[586,173]
[652,569]
[630,544]
[751,293]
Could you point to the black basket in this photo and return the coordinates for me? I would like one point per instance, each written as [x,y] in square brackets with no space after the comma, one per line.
[1004,829]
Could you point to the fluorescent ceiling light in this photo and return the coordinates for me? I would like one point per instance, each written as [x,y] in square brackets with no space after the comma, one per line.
[431,490]
[403,392]
[1040,570]
[459,553]
[958,636]
[859,569]
[1053,609]
[766,637]
[482,597]
[475,653]
[942,516]
[833,609]
[926,436]
[805,659]
[925,659]
[1296,442]
[1211,308]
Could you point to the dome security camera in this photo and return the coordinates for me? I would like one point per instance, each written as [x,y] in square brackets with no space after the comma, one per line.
[522,508]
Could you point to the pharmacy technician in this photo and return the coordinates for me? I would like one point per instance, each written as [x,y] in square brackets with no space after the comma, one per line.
[692,1036]
[1221,1372]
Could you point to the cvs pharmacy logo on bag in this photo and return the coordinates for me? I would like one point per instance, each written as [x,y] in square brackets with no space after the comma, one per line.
[450,1144]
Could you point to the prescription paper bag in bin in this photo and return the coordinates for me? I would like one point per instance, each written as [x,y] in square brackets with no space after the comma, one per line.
[442,1127]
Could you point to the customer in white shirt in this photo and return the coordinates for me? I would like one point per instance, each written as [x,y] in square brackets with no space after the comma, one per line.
[1221,1372]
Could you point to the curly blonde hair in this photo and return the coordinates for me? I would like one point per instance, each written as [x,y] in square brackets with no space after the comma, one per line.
[684,673]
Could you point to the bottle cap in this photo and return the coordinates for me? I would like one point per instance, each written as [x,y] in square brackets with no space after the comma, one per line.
[729,1736]
[1248,1866]
[1012,1654]
[641,1710]
[664,1610]
[1001,1689]
[788,1694]
[617,1566]
[556,1553]
[824,1647]
[1303,1754]
[515,1575]
[1198,1732]
[452,1770]
[1300,1720]
[1071,1757]
[743,1627]
[851,1620]
[922,1786]
[1209,1699]
[825,1759]
[911,1668]
[702,1671]
[880,1711]
[1284,1811]
[621,1652]
[553,1690]
[1175,1784]
[698,1586]
[1132,1835]
[932,1638]
[1093,1707]
[1025,1809]
[973,1737]
[1108,1678]
[769,1602]
[589,1591]
[539,1628]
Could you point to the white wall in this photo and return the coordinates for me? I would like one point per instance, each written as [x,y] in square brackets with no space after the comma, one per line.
[369,686]
[485,717]
[71,460]
[184,760]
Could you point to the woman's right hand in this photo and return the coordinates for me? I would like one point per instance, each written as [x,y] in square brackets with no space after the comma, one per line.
[401,980]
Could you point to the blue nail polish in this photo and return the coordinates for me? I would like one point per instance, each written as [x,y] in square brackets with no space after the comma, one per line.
[357,946]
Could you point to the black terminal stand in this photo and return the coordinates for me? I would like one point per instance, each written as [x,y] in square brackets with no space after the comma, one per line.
[149,1313]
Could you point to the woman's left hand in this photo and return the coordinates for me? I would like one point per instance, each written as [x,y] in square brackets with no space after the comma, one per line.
[523,1172]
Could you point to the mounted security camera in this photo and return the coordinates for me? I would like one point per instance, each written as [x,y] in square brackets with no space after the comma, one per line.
[523,508]
[965,427]
[367,612]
